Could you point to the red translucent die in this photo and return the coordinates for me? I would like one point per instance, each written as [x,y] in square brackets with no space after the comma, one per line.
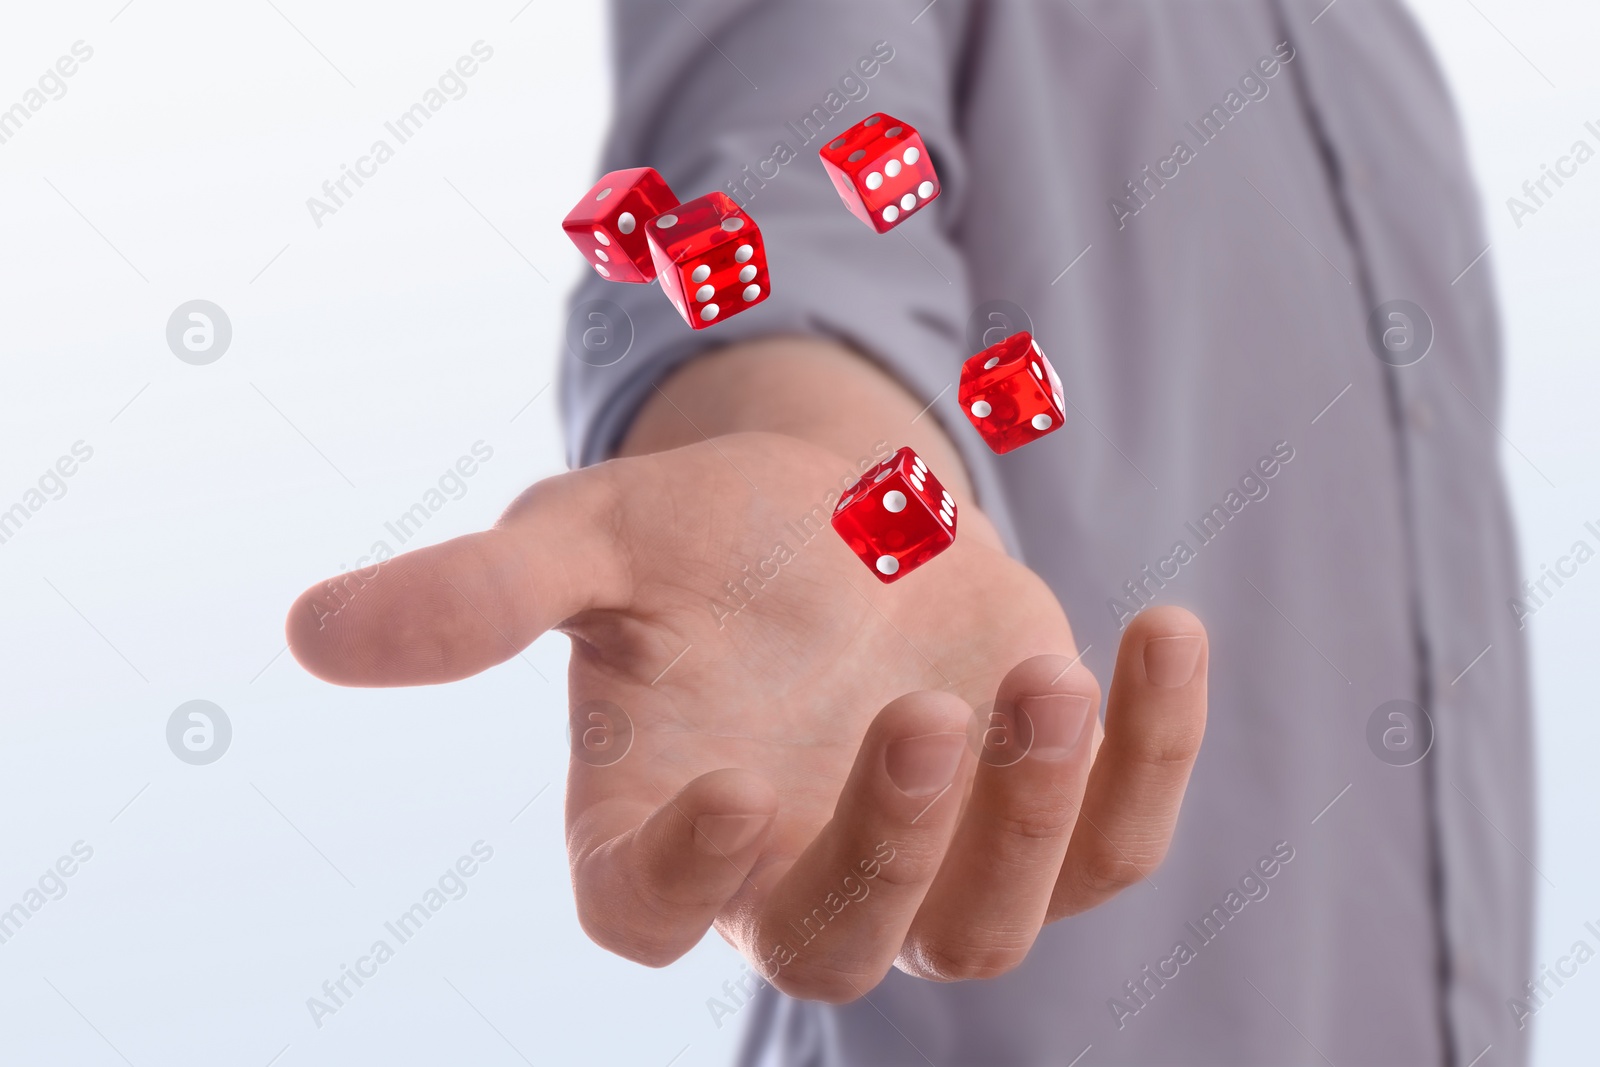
[897,517]
[607,225]
[882,171]
[1011,394]
[710,259]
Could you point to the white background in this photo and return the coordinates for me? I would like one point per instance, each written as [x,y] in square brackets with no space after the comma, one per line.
[368,356]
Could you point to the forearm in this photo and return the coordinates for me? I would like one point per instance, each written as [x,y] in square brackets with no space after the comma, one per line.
[815,390]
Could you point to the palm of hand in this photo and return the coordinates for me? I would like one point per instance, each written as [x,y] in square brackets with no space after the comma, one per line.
[782,672]
[824,721]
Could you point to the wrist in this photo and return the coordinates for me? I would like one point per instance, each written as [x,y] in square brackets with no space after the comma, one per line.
[811,390]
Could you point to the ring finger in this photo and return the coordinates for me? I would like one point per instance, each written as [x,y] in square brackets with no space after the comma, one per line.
[989,899]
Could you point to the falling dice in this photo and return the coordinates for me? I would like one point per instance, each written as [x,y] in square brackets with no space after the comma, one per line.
[882,171]
[1011,393]
[897,517]
[607,225]
[710,259]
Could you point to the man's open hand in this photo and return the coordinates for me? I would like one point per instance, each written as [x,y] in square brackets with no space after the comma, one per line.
[807,774]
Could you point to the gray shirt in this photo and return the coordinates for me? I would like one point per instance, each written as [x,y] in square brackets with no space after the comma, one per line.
[1198,207]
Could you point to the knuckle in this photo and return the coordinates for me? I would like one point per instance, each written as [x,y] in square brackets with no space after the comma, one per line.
[639,928]
[1107,872]
[1173,753]
[1032,822]
[636,942]
[810,960]
[1162,760]
[945,959]
[1164,747]
[823,982]
[913,866]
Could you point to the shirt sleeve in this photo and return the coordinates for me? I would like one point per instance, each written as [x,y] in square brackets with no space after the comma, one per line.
[739,97]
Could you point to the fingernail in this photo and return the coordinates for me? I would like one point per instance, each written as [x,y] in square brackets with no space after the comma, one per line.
[922,765]
[1060,722]
[723,834]
[1170,661]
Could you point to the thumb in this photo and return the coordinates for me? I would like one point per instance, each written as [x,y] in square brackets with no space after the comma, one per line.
[444,612]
